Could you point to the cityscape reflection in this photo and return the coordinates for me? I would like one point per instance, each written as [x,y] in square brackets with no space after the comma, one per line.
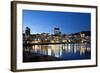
[57,46]
[62,51]
[56,35]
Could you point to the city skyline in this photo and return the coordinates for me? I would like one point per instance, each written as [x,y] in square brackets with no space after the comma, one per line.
[46,21]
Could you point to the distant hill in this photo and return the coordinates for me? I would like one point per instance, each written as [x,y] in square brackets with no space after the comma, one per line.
[87,33]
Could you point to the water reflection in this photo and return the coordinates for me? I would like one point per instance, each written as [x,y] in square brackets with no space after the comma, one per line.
[64,51]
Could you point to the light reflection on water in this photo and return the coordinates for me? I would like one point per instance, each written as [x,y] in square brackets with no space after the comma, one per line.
[60,50]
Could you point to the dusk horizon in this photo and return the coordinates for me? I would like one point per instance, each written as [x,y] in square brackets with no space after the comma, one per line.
[46,21]
[39,47]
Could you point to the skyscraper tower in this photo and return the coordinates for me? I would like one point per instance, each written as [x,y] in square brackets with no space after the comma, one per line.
[27,31]
[57,31]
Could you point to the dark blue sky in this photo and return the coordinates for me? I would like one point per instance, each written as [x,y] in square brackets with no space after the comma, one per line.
[46,21]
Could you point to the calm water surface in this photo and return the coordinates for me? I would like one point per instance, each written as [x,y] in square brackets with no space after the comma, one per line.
[74,51]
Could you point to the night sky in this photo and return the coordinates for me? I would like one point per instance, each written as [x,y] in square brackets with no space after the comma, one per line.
[46,21]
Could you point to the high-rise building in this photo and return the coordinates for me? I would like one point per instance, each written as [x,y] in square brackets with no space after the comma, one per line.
[57,31]
[27,31]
